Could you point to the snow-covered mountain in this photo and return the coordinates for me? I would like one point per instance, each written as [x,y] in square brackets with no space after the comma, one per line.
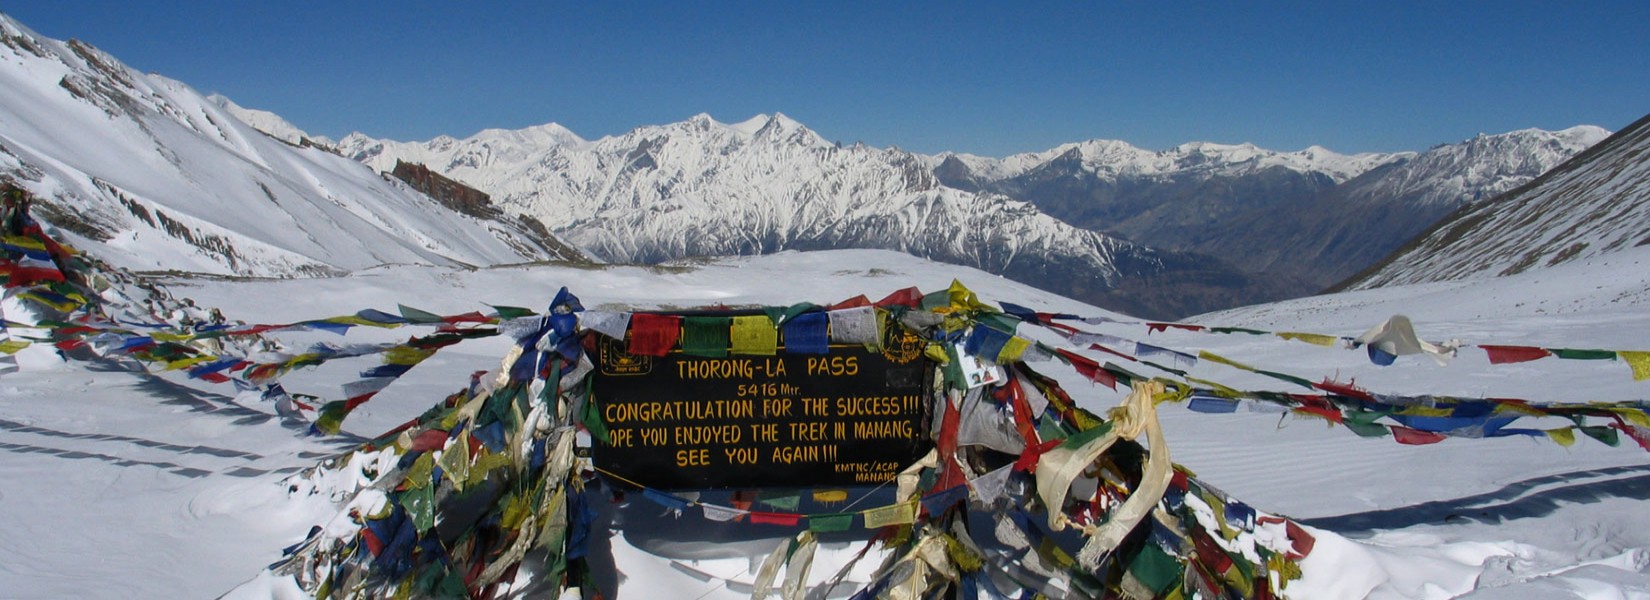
[769,184]
[1596,203]
[1114,159]
[274,125]
[1302,220]
[705,188]
[160,177]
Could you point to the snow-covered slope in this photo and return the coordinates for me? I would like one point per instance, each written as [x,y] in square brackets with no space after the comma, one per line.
[704,188]
[140,485]
[162,178]
[268,122]
[1595,204]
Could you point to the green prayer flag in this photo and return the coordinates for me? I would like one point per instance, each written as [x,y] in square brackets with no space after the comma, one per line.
[830,522]
[1363,423]
[1087,435]
[1602,434]
[783,500]
[418,316]
[420,505]
[592,420]
[1154,568]
[512,312]
[1583,354]
[330,418]
[418,475]
[1285,377]
[706,336]
[780,314]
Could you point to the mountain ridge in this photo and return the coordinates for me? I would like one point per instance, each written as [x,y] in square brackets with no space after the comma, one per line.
[1596,203]
[161,177]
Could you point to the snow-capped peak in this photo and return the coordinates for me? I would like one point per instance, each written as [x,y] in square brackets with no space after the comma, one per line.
[266,121]
[548,134]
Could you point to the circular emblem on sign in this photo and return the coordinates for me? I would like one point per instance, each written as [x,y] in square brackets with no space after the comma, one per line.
[616,361]
[903,346]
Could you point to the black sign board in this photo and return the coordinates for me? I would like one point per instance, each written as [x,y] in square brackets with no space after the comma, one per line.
[849,417]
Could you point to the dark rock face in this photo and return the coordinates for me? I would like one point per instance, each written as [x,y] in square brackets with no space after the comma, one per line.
[451,194]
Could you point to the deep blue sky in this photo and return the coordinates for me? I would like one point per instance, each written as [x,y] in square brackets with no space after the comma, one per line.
[989,78]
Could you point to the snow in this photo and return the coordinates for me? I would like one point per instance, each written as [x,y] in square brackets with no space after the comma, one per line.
[176,180]
[128,484]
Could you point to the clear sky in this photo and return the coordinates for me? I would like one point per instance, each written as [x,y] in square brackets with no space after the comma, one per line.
[988,78]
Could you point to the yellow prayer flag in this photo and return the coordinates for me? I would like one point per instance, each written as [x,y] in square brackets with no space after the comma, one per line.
[67,304]
[356,320]
[1639,361]
[754,334]
[1220,390]
[1210,356]
[1565,437]
[166,336]
[1426,411]
[1633,415]
[964,298]
[903,513]
[406,355]
[12,346]
[184,363]
[830,496]
[1310,338]
[1013,350]
[24,242]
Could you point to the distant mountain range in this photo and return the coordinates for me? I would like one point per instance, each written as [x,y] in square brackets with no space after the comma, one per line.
[164,178]
[1596,203]
[1207,225]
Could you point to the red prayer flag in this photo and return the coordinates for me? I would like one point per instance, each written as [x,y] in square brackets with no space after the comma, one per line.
[1415,437]
[910,297]
[773,518]
[1343,389]
[1089,368]
[950,474]
[1034,452]
[1110,351]
[1514,354]
[653,335]
[854,302]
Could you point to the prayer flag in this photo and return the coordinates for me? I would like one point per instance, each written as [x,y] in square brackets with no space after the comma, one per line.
[706,336]
[807,333]
[721,513]
[1583,354]
[903,513]
[1310,338]
[610,324]
[1565,437]
[1500,355]
[755,334]
[1640,363]
[1415,437]
[654,334]
[773,518]
[830,522]
[853,325]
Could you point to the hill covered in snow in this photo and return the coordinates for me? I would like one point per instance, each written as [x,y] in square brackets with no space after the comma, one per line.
[162,178]
[1596,204]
